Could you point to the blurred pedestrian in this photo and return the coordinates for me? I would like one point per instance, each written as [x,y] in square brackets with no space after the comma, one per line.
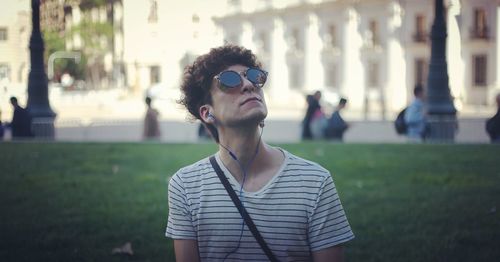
[2,130]
[151,124]
[67,81]
[313,112]
[493,124]
[415,116]
[21,121]
[337,126]
[247,181]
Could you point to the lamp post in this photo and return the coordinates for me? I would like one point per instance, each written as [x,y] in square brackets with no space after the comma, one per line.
[440,108]
[38,90]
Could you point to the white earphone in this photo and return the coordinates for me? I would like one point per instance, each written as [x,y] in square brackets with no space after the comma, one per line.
[210,116]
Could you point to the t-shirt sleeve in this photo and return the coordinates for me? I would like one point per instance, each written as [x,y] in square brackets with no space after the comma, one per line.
[179,224]
[328,225]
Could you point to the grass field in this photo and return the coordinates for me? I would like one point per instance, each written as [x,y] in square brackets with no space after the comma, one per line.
[77,201]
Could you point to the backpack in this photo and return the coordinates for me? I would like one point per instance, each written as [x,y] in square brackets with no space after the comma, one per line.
[400,124]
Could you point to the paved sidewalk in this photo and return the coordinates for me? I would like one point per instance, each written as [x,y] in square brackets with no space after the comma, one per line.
[276,131]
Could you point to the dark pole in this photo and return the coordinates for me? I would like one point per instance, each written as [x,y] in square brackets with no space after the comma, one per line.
[442,112]
[38,90]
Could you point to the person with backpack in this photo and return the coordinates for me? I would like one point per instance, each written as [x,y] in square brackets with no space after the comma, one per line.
[400,124]
[21,121]
[415,117]
[493,124]
[2,130]
[337,126]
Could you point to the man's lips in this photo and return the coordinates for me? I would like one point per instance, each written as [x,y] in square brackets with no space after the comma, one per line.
[251,99]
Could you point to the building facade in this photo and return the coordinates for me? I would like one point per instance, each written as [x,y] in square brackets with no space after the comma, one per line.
[372,52]
[15,31]
[161,37]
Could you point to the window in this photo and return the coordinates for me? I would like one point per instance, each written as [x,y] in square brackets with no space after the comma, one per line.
[331,76]
[421,69]
[3,34]
[4,72]
[420,32]
[295,76]
[373,79]
[153,12]
[296,40]
[331,36]
[374,37]
[154,74]
[480,68]
[480,28]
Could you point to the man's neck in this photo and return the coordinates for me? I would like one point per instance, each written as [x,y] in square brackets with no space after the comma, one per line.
[255,158]
[242,143]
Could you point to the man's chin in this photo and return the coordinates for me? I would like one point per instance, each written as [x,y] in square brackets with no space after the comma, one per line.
[251,120]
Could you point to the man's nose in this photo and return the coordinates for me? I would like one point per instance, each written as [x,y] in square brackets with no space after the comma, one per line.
[247,85]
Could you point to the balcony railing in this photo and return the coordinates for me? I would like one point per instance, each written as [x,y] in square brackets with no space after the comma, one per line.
[420,37]
[479,33]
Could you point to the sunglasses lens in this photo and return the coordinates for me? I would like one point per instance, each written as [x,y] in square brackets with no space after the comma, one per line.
[230,79]
[256,76]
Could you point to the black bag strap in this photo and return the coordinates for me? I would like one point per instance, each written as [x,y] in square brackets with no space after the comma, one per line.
[242,210]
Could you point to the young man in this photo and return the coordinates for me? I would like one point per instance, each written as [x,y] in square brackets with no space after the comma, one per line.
[293,202]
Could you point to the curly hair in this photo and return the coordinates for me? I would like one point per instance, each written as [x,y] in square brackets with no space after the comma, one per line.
[197,79]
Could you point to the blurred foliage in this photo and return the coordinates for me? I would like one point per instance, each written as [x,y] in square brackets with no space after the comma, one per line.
[94,36]
[54,42]
[96,40]
[89,4]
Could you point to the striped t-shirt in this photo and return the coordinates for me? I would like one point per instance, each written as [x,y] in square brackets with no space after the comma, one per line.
[298,211]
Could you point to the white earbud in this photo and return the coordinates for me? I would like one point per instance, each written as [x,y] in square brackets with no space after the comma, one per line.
[210,116]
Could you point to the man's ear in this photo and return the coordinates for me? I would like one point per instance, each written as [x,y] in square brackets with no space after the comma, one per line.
[204,112]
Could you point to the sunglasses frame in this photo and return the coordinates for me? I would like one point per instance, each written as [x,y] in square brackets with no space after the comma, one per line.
[245,73]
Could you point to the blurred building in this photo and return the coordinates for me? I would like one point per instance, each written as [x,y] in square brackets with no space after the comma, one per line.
[372,51]
[15,30]
[161,37]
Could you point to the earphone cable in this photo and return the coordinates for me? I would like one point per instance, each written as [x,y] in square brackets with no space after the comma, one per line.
[241,196]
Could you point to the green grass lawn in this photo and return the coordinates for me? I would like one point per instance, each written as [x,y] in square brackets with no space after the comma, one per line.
[77,201]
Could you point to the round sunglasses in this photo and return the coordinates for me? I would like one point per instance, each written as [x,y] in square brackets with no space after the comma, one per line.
[231,79]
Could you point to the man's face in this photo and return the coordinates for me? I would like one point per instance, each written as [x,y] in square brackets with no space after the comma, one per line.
[238,106]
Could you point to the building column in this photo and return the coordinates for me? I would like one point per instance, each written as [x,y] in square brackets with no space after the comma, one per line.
[352,84]
[456,66]
[496,63]
[247,36]
[394,90]
[314,77]
[279,93]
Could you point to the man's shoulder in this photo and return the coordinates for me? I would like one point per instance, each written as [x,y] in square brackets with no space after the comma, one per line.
[194,170]
[295,161]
